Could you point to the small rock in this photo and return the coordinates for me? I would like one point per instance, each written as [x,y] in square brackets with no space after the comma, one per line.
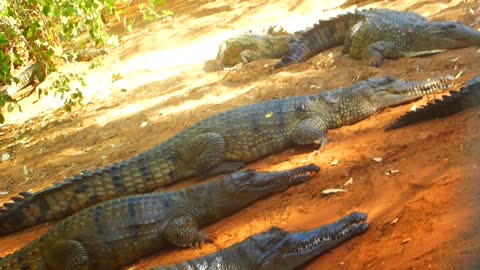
[377,159]
[392,172]
[143,124]
[394,221]
[5,156]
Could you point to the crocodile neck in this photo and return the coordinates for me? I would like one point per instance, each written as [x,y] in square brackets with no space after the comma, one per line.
[213,202]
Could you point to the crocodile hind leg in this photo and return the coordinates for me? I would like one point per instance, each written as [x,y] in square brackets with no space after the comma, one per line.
[309,131]
[66,254]
[184,232]
[209,151]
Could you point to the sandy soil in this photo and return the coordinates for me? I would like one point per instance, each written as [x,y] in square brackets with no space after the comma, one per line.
[423,217]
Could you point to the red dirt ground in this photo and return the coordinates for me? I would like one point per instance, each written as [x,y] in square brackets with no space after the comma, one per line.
[434,198]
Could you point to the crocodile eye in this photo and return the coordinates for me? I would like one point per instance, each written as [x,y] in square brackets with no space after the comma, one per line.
[450,26]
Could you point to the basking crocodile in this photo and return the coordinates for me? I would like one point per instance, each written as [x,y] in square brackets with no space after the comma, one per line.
[28,75]
[278,249]
[218,144]
[377,34]
[247,47]
[24,79]
[118,232]
[467,97]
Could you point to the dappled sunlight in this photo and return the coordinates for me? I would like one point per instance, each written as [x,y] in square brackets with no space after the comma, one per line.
[155,106]
[154,58]
[153,86]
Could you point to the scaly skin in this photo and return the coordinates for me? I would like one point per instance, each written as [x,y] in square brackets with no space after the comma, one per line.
[379,34]
[457,101]
[25,78]
[218,144]
[245,48]
[89,54]
[118,232]
[278,249]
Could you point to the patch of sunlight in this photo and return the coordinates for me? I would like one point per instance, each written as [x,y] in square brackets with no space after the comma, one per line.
[144,105]
[207,99]
[152,66]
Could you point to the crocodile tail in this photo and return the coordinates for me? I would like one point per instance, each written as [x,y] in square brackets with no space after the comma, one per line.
[457,101]
[138,175]
[324,35]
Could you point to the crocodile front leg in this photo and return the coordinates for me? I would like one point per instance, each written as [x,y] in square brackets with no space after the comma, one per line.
[248,56]
[184,231]
[309,131]
[381,50]
[68,255]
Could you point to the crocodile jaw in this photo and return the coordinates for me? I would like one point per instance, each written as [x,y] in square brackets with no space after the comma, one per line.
[399,91]
[299,247]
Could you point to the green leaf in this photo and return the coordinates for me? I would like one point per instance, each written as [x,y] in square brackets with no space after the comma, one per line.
[3,39]
[2,119]
[7,98]
[47,9]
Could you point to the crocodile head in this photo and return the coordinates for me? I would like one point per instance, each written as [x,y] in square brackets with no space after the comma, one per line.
[276,247]
[253,183]
[450,35]
[393,92]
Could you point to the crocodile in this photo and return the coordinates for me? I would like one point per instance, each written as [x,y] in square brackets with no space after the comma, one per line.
[278,249]
[28,76]
[378,34]
[457,101]
[24,79]
[219,144]
[118,232]
[247,47]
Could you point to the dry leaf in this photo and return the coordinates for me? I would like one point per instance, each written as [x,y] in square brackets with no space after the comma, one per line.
[394,221]
[333,190]
[334,162]
[406,240]
[459,74]
[349,182]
